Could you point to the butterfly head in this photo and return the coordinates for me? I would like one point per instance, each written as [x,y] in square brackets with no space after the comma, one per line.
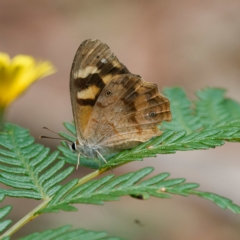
[76,146]
[82,148]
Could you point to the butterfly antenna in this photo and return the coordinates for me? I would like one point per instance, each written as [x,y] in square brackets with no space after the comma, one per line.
[50,130]
[54,137]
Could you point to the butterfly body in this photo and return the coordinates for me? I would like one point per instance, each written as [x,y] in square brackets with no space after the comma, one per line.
[113,109]
[89,150]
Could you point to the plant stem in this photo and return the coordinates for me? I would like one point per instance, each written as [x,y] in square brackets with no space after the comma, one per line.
[30,216]
[89,177]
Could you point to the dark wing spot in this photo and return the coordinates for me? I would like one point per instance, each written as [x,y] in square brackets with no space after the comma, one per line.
[90,80]
[86,102]
[152,114]
[108,68]
[108,93]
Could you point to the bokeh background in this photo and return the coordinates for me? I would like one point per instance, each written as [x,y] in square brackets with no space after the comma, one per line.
[187,43]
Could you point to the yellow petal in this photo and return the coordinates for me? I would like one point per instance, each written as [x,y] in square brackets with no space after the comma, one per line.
[18,74]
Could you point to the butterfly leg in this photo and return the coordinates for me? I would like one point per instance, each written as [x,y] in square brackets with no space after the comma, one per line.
[78,162]
[101,156]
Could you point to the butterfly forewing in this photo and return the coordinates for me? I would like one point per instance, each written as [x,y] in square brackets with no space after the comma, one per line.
[93,67]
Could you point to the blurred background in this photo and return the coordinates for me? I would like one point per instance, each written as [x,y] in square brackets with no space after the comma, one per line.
[192,44]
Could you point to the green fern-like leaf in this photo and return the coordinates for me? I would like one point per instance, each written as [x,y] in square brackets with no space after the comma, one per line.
[28,168]
[233,108]
[110,188]
[183,114]
[210,106]
[168,142]
[4,212]
[65,232]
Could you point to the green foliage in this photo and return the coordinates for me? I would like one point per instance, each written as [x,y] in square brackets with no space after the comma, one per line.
[110,188]
[169,142]
[28,168]
[211,108]
[4,212]
[65,232]
[183,113]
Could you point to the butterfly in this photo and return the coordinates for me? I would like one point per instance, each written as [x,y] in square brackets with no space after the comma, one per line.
[113,109]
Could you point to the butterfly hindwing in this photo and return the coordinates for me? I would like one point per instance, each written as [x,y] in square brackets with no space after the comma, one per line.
[127,112]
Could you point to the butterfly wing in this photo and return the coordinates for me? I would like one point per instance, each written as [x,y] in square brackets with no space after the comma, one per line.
[93,67]
[126,113]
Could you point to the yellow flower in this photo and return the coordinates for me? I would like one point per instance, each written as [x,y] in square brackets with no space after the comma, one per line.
[18,74]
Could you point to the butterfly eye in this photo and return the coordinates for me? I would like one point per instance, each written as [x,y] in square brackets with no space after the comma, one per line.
[74,146]
[108,93]
[152,114]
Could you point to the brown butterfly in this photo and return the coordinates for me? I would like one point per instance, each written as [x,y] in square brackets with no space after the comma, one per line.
[113,109]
